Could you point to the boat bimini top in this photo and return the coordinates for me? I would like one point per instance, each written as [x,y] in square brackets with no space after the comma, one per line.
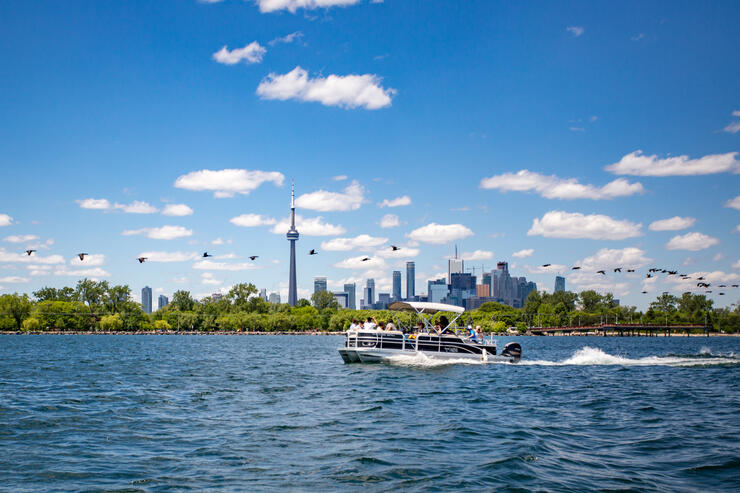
[422,308]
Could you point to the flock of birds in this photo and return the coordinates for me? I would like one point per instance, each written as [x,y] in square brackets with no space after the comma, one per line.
[652,272]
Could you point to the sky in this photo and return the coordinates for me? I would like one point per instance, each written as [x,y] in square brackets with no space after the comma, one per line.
[599,135]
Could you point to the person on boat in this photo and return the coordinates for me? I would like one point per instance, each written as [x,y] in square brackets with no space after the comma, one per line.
[438,328]
[389,326]
[370,323]
[472,335]
[381,325]
[354,326]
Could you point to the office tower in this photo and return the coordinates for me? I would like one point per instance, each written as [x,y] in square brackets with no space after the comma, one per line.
[146,299]
[396,285]
[292,238]
[454,266]
[274,298]
[342,299]
[410,280]
[437,290]
[370,292]
[482,290]
[462,287]
[319,284]
[384,299]
[263,294]
[350,290]
[488,281]
[162,302]
[559,283]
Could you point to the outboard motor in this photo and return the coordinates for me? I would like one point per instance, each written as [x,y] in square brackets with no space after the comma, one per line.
[512,350]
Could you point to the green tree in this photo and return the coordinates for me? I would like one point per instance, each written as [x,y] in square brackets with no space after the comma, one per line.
[16,306]
[115,297]
[111,323]
[31,324]
[302,302]
[161,325]
[239,295]
[323,300]
[591,301]
[54,294]
[665,303]
[182,301]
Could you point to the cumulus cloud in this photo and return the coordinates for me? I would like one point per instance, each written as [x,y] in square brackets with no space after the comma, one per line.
[527,252]
[312,226]
[357,263]
[251,53]
[734,203]
[29,259]
[135,207]
[552,187]
[477,255]
[397,202]
[550,269]
[440,234]
[403,252]
[389,221]
[13,279]
[345,91]
[20,238]
[691,241]
[609,258]
[350,199]
[91,260]
[733,127]
[5,220]
[293,5]
[585,281]
[252,220]
[672,224]
[163,233]
[177,210]
[346,244]
[736,264]
[223,266]
[227,182]
[575,30]
[160,256]
[638,164]
[94,272]
[288,38]
[339,177]
[561,224]
[207,278]
[98,204]
[711,277]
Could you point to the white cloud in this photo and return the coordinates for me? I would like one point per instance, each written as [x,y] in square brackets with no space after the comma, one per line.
[362,241]
[638,164]
[389,221]
[91,260]
[691,241]
[552,187]
[477,255]
[14,279]
[136,207]
[345,91]
[713,277]
[5,220]
[672,224]
[575,30]
[227,182]
[339,177]
[584,281]
[718,256]
[608,259]
[160,256]
[30,259]
[550,269]
[98,204]
[207,278]
[223,266]
[177,210]
[313,226]
[736,264]
[440,234]
[163,233]
[251,53]
[293,5]
[357,263]
[252,220]
[560,224]
[321,200]
[403,252]
[733,127]
[94,272]
[397,202]
[733,203]
[527,252]
[288,38]
[20,238]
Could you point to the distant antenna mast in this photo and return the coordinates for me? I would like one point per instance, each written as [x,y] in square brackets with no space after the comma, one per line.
[455,251]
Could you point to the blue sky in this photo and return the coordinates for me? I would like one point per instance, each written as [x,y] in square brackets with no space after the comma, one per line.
[445,103]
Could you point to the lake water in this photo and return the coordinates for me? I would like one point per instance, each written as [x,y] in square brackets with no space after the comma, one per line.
[261,413]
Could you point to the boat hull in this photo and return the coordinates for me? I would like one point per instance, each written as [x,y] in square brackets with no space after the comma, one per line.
[373,355]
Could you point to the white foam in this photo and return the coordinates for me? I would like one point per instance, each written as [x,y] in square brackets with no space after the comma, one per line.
[422,360]
[589,356]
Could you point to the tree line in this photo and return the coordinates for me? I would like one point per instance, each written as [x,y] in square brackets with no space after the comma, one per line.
[99,306]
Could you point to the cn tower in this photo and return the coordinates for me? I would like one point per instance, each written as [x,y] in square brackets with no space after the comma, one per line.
[292,238]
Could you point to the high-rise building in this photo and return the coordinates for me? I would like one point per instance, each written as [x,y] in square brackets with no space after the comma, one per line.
[482,290]
[342,299]
[437,290]
[146,299]
[396,285]
[319,284]
[370,292]
[384,299]
[350,290]
[292,236]
[263,294]
[559,283]
[162,302]
[488,281]
[410,280]
[454,266]
[274,298]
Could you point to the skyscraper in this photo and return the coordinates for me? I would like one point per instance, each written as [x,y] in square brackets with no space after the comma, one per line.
[396,285]
[162,302]
[454,266]
[292,238]
[410,280]
[146,299]
[370,292]
[559,283]
[437,290]
[319,284]
[350,290]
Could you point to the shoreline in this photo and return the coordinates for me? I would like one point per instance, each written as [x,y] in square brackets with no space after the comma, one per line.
[310,333]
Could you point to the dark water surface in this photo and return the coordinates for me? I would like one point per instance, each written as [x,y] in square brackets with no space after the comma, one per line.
[256,413]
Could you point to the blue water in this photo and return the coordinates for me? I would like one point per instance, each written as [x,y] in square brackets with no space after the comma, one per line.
[254,413]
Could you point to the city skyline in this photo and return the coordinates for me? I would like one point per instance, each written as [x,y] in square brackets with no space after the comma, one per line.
[525,133]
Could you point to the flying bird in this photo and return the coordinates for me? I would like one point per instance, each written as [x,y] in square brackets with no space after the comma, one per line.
[699,278]
[663,271]
[649,276]
[630,270]
[29,252]
[546,265]
[672,272]
[141,259]
[617,269]
[82,256]
[653,270]
[702,284]
[313,252]
[252,257]
[394,248]
[722,286]
[708,292]
[601,272]
[644,292]
[735,285]
[205,254]
[365,259]
[721,294]
[576,267]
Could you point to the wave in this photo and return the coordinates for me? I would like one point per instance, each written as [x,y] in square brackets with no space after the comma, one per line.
[590,356]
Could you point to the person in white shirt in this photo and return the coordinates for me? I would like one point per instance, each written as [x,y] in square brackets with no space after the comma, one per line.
[354,326]
[370,323]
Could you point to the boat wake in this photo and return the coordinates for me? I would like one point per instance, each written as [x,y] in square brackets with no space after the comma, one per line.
[586,356]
